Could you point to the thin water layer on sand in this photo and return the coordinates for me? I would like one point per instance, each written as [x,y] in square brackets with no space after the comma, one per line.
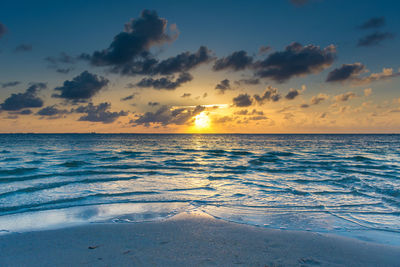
[345,184]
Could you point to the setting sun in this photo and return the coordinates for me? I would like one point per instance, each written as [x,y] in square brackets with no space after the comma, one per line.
[202,121]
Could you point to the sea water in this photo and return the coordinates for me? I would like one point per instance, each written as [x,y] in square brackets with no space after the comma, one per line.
[340,184]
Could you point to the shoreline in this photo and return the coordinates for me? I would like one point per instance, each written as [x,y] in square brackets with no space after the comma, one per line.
[188,239]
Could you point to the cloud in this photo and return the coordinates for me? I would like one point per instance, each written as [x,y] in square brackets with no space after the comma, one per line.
[344,97]
[9,84]
[242,100]
[28,99]
[264,49]
[129,53]
[222,119]
[295,60]
[186,95]
[375,22]
[182,62]
[223,86]
[304,105]
[250,81]
[153,104]
[386,73]
[134,42]
[166,115]
[51,111]
[244,112]
[292,94]
[3,29]
[99,113]
[270,94]
[375,38]
[352,73]
[129,97]
[346,71]
[238,60]
[81,88]
[165,82]
[64,71]
[23,48]
[367,91]
[63,58]
[315,100]
[22,112]
[58,63]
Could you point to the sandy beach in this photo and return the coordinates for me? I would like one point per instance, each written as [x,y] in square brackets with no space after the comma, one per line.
[193,239]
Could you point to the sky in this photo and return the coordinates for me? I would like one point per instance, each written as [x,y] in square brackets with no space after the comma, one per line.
[285,66]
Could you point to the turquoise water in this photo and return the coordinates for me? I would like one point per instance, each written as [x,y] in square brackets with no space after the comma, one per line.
[341,184]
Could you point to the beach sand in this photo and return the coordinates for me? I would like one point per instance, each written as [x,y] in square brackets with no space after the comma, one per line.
[188,239]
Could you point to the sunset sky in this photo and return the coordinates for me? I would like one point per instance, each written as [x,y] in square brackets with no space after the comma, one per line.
[316,66]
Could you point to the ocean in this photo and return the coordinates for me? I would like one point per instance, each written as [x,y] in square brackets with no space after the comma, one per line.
[337,184]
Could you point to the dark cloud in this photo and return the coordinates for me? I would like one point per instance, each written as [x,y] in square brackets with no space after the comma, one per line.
[223,119]
[304,105]
[270,94]
[28,99]
[166,115]
[186,95]
[64,71]
[59,62]
[9,84]
[292,94]
[63,58]
[376,22]
[375,38]
[81,88]
[129,53]
[22,112]
[345,72]
[250,81]
[134,42]
[352,73]
[153,104]
[51,111]
[242,100]
[344,97]
[238,60]
[223,86]
[257,118]
[23,48]
[244,112]
[99,113]
[165,82]
[182,62]
[295,60]
[3,29]
[129,97]
[264,49]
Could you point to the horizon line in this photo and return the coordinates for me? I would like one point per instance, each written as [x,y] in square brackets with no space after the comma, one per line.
[94,133]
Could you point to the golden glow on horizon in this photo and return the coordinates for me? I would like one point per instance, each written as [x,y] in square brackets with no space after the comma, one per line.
[201,121]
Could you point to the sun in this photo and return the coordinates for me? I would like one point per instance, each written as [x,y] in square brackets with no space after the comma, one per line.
[202,121]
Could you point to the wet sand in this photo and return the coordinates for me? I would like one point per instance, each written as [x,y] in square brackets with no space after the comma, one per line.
[188,240]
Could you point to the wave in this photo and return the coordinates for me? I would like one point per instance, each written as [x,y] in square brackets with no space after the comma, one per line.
[17,171]
[73,164]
